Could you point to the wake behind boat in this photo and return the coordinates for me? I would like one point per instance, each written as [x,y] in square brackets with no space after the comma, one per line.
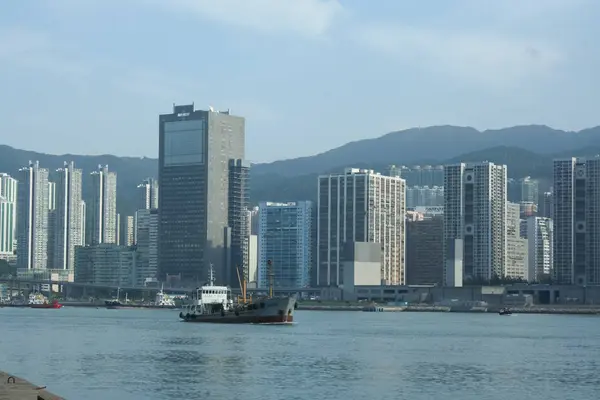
[215,304]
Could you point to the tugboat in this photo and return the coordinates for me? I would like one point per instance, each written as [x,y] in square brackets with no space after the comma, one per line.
[163,300]
[115,303]
[215,304]
[39,301]
[504,311]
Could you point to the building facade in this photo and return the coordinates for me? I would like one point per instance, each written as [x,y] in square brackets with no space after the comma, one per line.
[8,216]
[103,207]
[576,201]
[67,217]
[32,217]
[106,264]
[239,224]
[360,206]
[285,238]
[539,233]
[516,246]
[195,148]
[475,211]
[146,244]
[425,251]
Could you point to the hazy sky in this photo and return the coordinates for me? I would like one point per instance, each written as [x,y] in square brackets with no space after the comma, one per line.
[91,76]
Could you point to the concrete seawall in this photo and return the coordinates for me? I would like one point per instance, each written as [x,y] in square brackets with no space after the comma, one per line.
[15,388]
[429,308]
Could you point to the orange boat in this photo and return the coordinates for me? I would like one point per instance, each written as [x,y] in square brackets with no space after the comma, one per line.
[54,304]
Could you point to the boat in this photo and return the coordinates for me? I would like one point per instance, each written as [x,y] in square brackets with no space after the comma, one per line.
[115,303]
[504,311]
[214,304]
[40,301]
[163,300]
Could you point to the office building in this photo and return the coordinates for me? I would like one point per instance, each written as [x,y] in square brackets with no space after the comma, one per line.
[67,216]
[285,238]
[475,212]
[8,216]
[576,221]
[516,246]
[424,196]
[103,206]
[425,251]
[32,217]
[147,194]
[195,149]
[106,264]
[539,233]
[360,206]
[547,206]
[51,224]
[529,190]
[147,244]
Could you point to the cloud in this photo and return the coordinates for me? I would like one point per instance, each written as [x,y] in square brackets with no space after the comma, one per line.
[310,18]
[480,56]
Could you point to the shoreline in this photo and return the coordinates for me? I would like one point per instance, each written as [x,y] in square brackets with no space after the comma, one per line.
[14,387]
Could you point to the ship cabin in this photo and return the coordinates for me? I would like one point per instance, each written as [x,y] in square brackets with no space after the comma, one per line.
[213,294]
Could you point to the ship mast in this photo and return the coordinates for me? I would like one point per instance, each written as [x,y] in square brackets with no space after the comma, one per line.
[242,281]
[271,276]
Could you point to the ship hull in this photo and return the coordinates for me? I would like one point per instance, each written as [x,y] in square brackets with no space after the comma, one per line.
[47,306]
[274,311]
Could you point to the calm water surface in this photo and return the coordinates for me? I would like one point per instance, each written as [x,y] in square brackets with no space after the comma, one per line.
[148,354]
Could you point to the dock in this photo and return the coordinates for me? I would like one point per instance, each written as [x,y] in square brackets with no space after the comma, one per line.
[15,388]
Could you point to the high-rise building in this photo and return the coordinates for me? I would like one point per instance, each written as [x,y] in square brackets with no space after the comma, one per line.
[103,206]
[118,231]
[576,221]
[539,233]
[51,224]
[475,212]
[360,206]
[8,216]
[68,217]
[147,194]
[239,225]
[130,230]
[425,251]
[285,238]
[195,148]
[147,244]
[547,206]
[516,246]
[83,212]
[424,196]
[32,217]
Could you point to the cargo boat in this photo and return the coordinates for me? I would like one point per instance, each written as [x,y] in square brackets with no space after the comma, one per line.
[54,304]
[214,304]
[40,301]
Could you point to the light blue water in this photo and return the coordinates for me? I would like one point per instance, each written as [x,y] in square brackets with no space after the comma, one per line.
[148,354]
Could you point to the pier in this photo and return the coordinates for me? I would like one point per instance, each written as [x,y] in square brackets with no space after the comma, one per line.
[15,388]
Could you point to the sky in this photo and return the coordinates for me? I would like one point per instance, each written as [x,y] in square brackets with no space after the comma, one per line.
[92,76]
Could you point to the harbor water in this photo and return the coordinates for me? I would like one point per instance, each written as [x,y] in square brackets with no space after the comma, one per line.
[93,354]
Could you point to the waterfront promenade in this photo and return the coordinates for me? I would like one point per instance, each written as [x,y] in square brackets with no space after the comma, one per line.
[15,388]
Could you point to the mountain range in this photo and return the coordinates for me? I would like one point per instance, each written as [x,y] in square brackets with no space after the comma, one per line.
[527,150]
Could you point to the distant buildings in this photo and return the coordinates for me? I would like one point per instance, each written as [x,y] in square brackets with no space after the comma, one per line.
[147,244]
[195,148]
[32,217]
[424,196]
[360,206]
[475,212]
[285,238]
[419,175]
[147,194]
[68,216]
[576,221]
[103,207]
